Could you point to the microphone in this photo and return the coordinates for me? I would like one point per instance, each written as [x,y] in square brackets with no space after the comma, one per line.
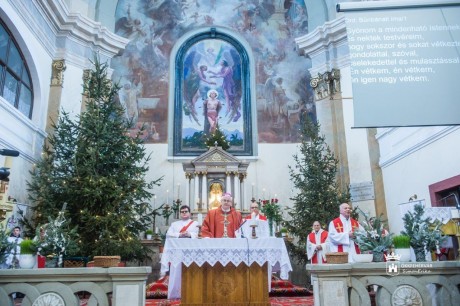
[242,224]
[7,152]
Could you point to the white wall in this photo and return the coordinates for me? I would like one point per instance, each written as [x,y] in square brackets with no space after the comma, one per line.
[411,160]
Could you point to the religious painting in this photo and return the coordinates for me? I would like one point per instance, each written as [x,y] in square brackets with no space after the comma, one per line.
[283,94]
[212,96]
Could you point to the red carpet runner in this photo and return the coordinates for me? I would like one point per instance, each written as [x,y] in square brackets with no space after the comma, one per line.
[283,293]
[274,301]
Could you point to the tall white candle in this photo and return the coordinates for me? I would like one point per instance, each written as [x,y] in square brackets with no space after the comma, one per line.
[252,190]
[200,219]
[178,191]
[167,196]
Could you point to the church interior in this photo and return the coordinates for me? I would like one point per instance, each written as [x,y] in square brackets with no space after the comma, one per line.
[252,73]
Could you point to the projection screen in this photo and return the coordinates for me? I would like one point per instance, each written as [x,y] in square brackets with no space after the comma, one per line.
[405,62]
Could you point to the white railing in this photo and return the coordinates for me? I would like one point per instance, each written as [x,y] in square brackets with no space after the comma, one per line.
[65,286]
[405,283]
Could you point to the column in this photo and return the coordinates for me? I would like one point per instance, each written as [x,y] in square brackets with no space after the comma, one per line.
[228,184]
[196,196]
[58,68]
[236,184]
[187,191]
[242,194]
[204,191]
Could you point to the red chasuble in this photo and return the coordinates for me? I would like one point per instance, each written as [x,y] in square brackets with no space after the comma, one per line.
[213,224]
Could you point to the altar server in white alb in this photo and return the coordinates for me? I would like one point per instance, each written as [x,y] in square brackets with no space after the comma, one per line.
[341,233]
[184,228]
[316,244]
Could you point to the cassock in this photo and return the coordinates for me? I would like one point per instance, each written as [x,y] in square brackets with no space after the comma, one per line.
[180,226]
[213,224]
[339,240]
[314,239]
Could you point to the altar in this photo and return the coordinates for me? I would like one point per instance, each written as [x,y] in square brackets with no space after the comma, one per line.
[242,265]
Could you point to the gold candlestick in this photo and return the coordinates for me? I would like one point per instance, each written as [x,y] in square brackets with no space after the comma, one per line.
[199,231]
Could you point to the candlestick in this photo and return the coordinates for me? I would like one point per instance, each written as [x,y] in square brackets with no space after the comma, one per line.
[200,219]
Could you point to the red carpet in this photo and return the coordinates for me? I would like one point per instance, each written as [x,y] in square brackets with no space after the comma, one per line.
[280,288]
[274,301]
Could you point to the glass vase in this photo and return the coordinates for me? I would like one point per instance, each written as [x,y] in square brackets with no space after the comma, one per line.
[270,226]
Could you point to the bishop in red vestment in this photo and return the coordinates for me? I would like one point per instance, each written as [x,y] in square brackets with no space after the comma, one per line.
[223,221]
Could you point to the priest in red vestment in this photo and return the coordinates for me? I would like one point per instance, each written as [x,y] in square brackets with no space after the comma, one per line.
[341,233]
[223,221]
[316,244]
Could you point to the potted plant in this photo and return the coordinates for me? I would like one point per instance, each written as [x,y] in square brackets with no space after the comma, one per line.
[55,240]
[401,244]
[27,257]
[148,234]
[373,238]
[283,232]
[424,234]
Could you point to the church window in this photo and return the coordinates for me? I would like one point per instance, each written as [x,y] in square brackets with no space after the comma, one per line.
[15,84]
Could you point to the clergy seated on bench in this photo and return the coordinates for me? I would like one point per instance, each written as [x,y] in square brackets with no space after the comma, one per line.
[185,227]
[222,222]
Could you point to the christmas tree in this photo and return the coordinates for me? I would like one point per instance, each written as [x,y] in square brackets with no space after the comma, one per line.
[95,166]
[318,197]
[217,138]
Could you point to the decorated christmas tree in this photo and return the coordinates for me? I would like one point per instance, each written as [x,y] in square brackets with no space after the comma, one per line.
[217,138]
[92,163]
[318,197]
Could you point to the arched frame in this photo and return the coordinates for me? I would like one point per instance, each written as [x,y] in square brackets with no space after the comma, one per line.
[179,70]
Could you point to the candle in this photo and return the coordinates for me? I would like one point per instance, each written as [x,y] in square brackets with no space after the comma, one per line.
[167,196]
[156,230]
[178,191]
[200,219]
[154,200]
[252,190]
[263,193]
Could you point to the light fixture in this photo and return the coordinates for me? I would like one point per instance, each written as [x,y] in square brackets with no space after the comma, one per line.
[413,198]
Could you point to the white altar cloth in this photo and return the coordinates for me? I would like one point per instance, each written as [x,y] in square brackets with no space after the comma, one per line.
[223,250]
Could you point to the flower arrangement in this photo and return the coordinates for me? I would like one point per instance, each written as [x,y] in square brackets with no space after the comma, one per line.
[54,238]
[271,209]
[373,237]
[424,234]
